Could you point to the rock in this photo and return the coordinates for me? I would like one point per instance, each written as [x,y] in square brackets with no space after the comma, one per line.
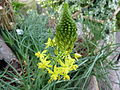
[79,30]
[93,85]
[113,75]
[19,31]
[6,54]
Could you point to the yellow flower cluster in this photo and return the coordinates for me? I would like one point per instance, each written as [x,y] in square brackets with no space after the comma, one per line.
[43,58]
[64,63]
[50,43]
[63,69]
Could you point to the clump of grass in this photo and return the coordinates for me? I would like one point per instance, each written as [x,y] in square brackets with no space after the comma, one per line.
[118,20]
[24,46]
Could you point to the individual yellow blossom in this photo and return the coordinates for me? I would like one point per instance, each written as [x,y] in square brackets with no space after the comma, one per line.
[54,76]
[66,77]
[77,55]
[74,67]
[64,70]
[51,79]
[41,55]
[44,64]
[49,71]
[50,42]
[68,65]
[54,73]
[38,54]
[69,60]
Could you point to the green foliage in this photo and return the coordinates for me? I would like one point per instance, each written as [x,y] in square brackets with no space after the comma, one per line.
[17,5]
[66,30]
[96,62]
[118,20]
[25,46]
[33,39]
[118,17]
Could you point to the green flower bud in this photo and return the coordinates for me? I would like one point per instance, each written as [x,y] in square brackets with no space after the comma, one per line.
[66,30]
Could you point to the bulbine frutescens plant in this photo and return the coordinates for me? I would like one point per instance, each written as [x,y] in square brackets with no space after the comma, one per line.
[59,63]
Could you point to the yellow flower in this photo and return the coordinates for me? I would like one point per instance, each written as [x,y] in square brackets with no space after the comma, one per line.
[49,71]
[68,65]
[74,67]
[54,76]
[50,42]
[38,54]
[41,55]
[44,64]
[58,71]
[54,73]
[64,70]
[69,61]
[66,77]
[77,55]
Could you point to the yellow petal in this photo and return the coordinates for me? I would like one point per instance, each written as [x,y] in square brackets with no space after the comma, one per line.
[41,65]
[49,71]
[54,77]
[61,63]
[74,67]
[77,55]
[66,77]
[44,51]
[37,54]
[56,52]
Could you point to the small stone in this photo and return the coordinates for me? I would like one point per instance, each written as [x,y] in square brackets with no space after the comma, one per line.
[19,31]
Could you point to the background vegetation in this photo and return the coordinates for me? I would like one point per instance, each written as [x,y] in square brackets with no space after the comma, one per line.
[98,25]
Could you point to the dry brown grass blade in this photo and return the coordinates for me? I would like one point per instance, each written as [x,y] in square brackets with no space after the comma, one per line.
[6,15]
